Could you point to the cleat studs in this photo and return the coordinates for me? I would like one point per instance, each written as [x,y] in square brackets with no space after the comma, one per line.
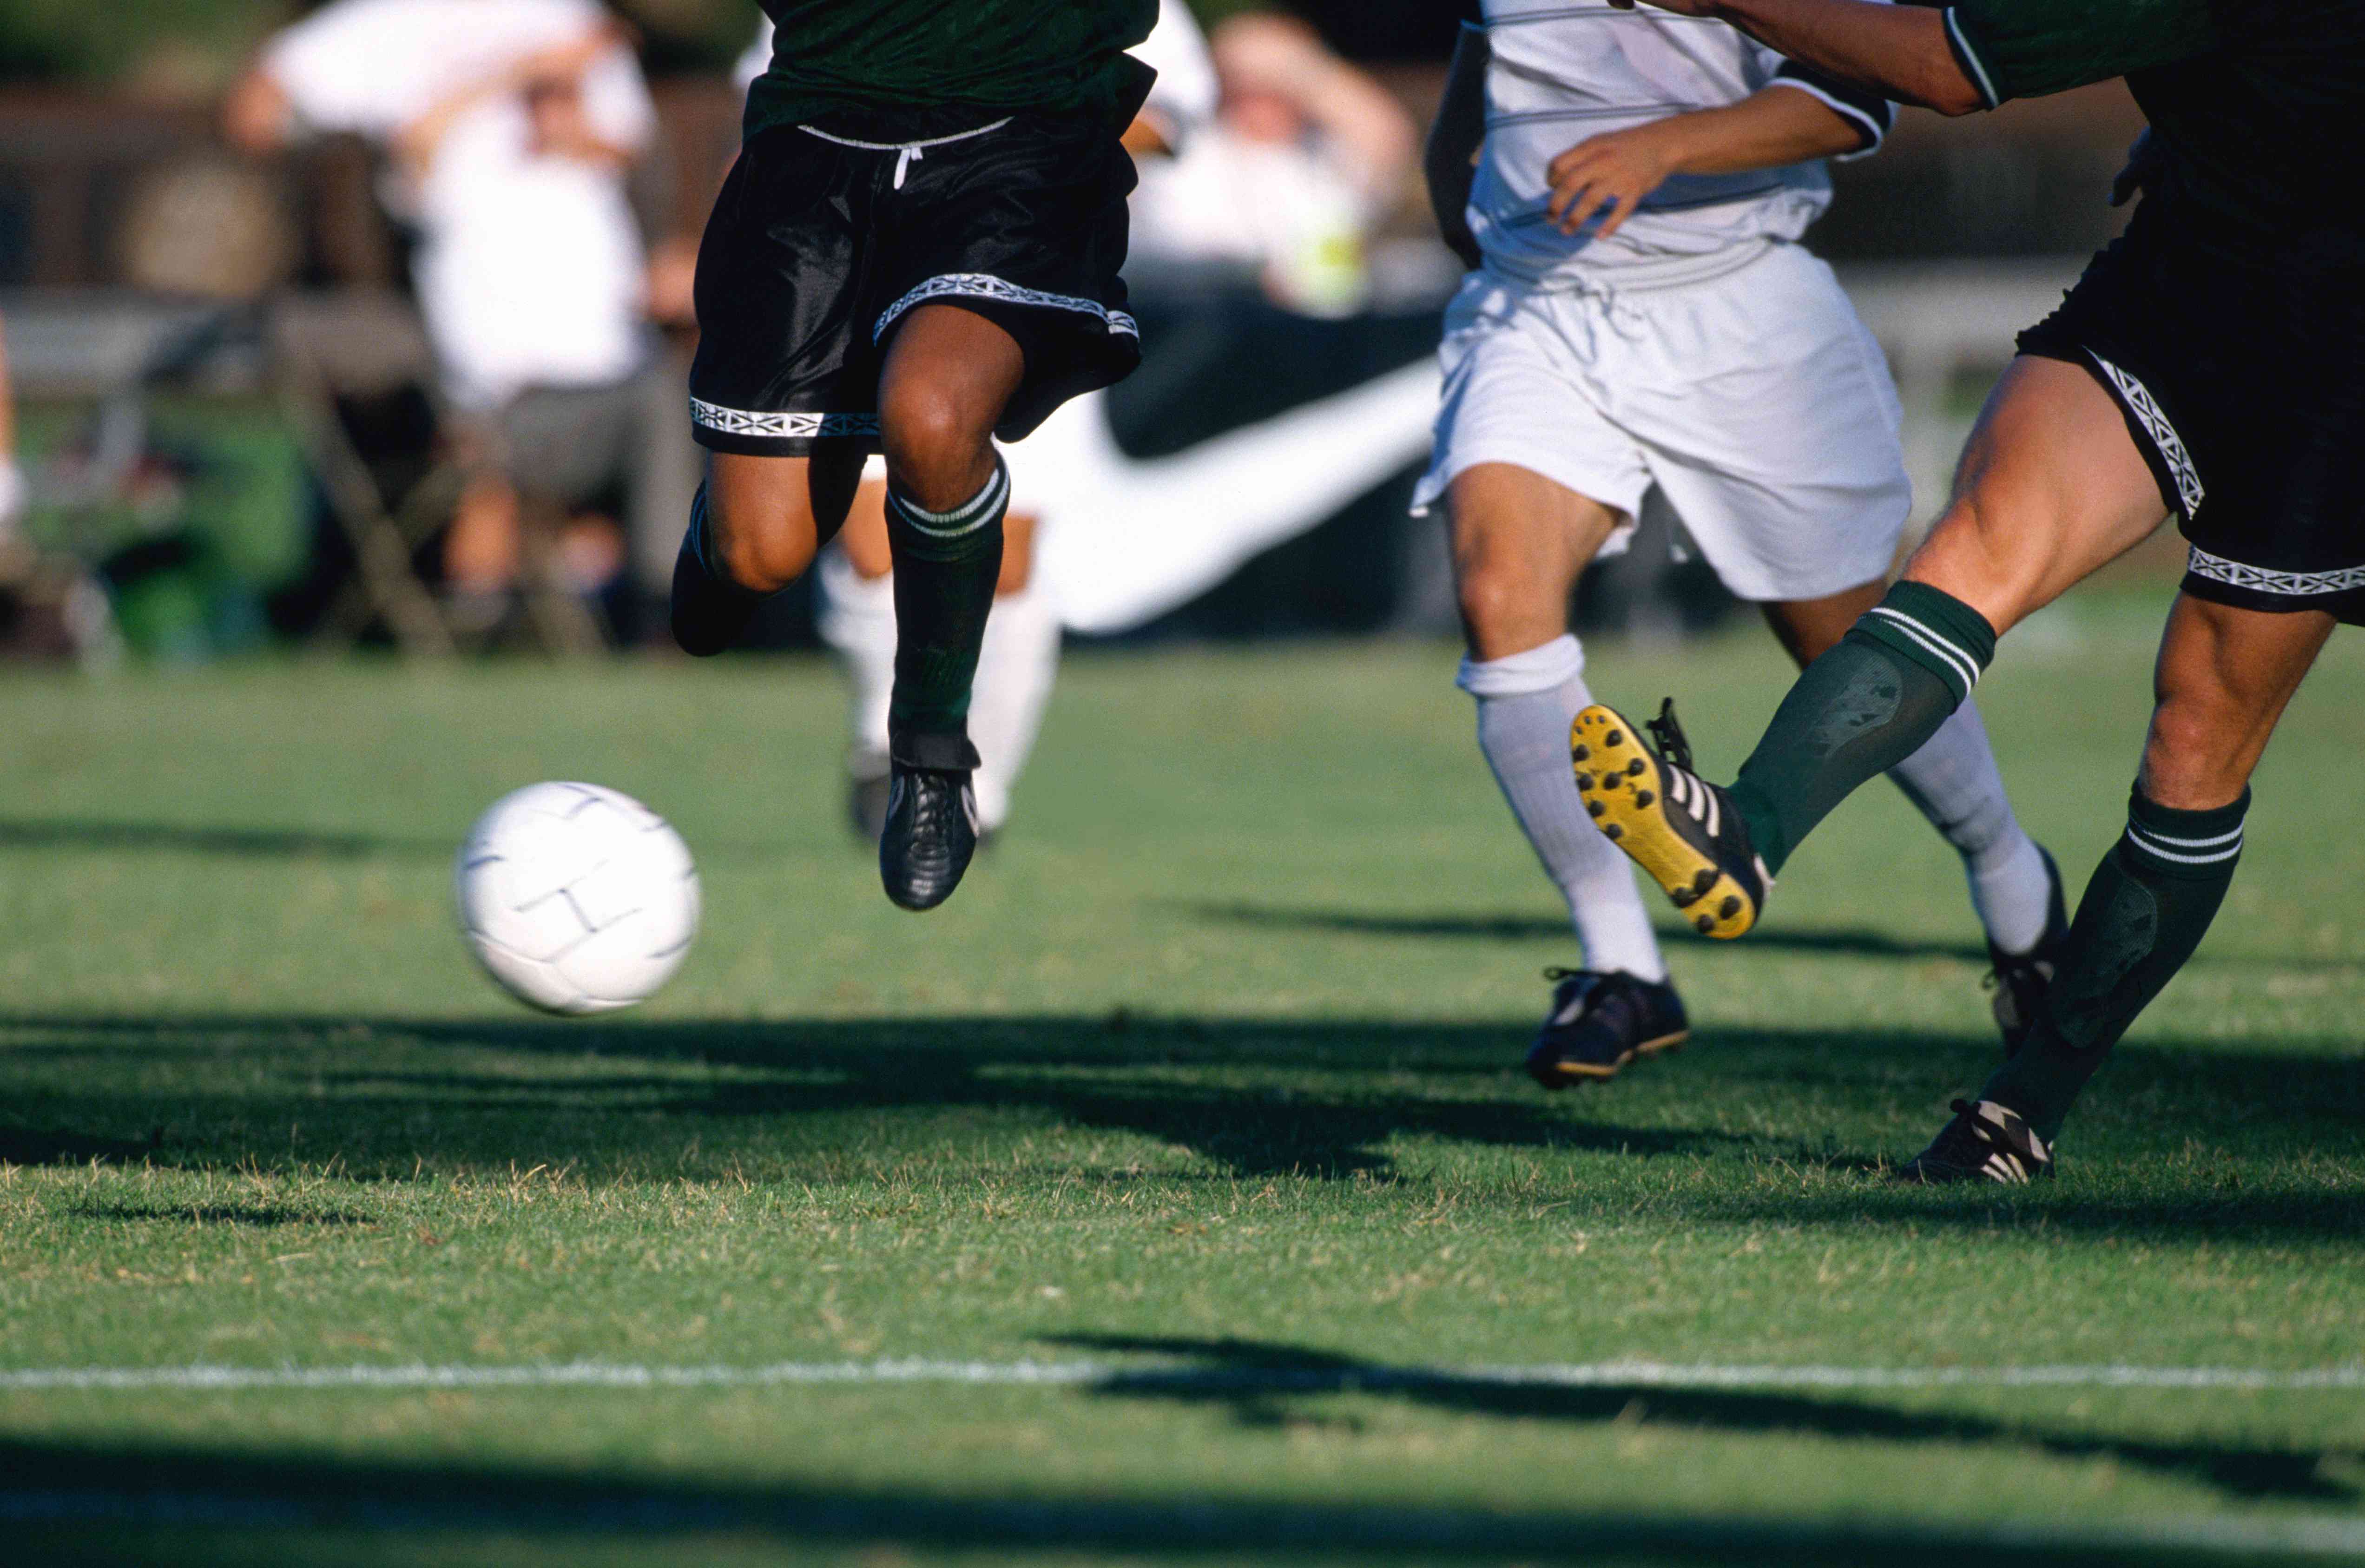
[1684,898]
[1584,780]
[1613,738]
[1643,797]
[1595,807]
[1634,769]
[1613,832]
[1704,925]
[1702,883]
[1729,908]
[1580,753]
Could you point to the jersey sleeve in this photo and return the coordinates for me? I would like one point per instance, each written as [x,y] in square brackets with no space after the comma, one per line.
[1871,114]
[616,101]
[2024,48]
[336,70]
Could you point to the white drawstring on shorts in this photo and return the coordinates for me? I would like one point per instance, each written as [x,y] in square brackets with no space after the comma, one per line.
[906,153]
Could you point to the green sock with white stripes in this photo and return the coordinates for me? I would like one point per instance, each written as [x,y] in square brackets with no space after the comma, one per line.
[946,564]
[2144,912]
[1864,707]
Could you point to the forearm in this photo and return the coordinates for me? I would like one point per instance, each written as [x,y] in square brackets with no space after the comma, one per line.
[1899,51]
[1775,126]
[1454,138]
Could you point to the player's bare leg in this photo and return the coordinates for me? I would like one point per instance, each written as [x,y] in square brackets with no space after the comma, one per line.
[1016,663]
[2050,488]
[949,374]
[1519,542]
[755,527]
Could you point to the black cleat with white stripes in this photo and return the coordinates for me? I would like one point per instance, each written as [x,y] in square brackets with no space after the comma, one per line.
[1985,1142]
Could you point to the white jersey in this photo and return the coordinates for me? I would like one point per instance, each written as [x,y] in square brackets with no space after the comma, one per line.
[1560,72]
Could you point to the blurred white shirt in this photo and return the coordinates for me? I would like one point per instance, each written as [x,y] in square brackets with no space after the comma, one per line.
[530,269]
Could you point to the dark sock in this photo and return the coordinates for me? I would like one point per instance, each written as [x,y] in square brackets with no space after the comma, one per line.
[708,610]
[2143,912]
[1863,708]
[946,566]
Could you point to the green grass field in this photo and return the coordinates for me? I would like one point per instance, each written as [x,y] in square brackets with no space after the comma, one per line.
[1203,1095]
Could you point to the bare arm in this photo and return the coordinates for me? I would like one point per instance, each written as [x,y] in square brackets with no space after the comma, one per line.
[1610,174]
[1454,138]
[415,143]
[257,116]
[1900,51]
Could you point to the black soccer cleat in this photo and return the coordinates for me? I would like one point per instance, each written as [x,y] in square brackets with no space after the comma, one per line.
[2020,980]
[930,833]
[1676,825]
[1600,1021]
[708,611]
[1985,1142]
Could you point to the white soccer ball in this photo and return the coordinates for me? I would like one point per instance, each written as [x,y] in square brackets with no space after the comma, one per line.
[576,898]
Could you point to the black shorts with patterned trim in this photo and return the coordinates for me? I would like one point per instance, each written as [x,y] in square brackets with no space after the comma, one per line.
[2244,388]
[820,245]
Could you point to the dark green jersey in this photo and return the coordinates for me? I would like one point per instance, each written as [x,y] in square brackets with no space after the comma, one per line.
[2257,104]
[930,66]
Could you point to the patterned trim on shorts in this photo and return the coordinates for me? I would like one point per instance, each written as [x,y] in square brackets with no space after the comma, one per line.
[791,427]
[985,285]
[2259,580]
[2164,439]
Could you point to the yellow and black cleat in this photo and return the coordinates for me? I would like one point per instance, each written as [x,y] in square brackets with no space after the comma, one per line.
[1675,825]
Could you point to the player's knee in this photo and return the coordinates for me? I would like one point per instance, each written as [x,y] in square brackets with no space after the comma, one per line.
[762,560]
[935,443]
[1494,600]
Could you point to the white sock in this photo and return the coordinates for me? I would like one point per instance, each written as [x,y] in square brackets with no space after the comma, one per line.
[1526,704]
[1953,779]
[1014,670]
[858,621]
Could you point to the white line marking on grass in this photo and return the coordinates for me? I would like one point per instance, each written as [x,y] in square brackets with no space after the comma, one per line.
[1173,1374]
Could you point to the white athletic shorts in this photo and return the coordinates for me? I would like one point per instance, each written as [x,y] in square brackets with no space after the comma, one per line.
[1754,406]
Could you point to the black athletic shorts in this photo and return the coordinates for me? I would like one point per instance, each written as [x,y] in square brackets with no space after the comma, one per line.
[819,246]
[2244,390]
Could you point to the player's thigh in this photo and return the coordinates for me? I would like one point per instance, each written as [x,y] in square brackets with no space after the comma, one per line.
[947,375]
[2224,675]
[1520,541]
[770,516]
[2051,488]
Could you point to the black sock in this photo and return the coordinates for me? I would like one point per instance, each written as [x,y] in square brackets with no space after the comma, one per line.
[708,609]
[2143,912]
[1864,707]
[945,567]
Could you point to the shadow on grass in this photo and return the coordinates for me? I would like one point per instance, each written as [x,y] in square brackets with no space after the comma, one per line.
[1522,928]
[2164,1147]
[1270,1375]
[122,1496]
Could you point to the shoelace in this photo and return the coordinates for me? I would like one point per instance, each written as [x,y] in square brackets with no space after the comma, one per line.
[1667,737]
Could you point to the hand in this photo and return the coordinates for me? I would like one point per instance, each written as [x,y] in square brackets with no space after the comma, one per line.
[1610,174]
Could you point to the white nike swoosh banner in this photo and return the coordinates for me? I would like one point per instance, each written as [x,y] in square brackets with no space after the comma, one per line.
[1124,540]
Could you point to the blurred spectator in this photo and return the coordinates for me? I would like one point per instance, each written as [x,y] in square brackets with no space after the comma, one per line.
[1304,156]
[12,476]
[511,125]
